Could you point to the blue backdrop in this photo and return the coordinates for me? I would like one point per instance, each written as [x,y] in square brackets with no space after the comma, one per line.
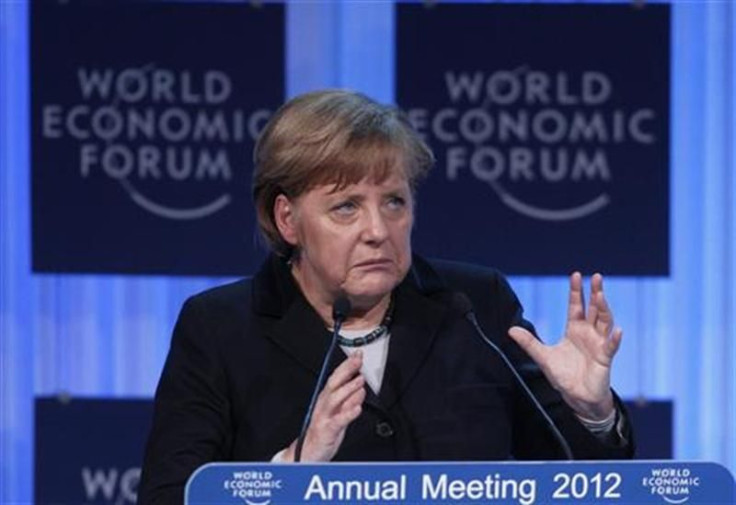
[108,335]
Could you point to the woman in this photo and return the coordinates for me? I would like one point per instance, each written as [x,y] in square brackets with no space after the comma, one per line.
[334,190]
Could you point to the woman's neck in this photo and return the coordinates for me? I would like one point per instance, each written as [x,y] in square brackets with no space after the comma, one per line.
[368,318]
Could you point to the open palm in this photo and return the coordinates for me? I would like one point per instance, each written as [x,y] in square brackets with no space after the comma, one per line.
[579,366]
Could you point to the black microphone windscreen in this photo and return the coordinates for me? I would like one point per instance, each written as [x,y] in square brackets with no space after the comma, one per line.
[341,309]
[462,303]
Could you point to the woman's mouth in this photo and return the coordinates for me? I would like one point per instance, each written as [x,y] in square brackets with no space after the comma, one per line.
[376,263]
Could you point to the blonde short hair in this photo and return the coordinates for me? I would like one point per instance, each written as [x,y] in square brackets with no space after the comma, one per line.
[331,137]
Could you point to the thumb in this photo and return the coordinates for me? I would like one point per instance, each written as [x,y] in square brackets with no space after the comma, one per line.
[528,342]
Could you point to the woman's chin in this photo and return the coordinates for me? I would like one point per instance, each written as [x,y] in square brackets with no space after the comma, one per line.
[371,292]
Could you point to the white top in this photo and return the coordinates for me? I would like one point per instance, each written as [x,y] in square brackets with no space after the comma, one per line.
[374,356]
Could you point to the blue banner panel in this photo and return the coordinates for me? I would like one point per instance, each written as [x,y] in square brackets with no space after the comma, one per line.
[90,451]
[550,124]
[144,116]
[591,483]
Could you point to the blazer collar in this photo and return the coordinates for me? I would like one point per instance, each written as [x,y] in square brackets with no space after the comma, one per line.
[299,330]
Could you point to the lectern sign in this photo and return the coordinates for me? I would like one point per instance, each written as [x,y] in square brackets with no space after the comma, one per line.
[652,482]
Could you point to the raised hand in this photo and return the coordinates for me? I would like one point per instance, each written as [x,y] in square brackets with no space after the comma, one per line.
[339,404]
[579,366]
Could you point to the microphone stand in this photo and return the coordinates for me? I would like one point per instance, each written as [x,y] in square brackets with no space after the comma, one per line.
[462,301]
[340,311]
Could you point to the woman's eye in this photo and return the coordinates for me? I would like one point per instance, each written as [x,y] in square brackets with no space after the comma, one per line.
[396,202]
[344,208]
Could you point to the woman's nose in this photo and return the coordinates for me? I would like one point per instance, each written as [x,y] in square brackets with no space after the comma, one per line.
[375,228]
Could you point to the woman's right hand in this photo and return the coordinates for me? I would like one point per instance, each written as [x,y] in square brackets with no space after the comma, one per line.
[339,404]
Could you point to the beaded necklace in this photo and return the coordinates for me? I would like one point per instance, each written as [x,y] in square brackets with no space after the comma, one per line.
[375,334]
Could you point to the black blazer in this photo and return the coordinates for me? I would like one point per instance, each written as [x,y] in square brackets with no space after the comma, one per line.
[244,359]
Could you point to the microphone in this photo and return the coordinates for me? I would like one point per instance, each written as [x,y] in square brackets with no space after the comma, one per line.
[462,302]
[340,311]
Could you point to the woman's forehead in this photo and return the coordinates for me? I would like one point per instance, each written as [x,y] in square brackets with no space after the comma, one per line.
[342,175]
[395,181]
[359,161]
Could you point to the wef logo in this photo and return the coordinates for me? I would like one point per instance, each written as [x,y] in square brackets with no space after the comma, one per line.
[173,139]
[674,485]
[254,488]
[111,485]
[544,142]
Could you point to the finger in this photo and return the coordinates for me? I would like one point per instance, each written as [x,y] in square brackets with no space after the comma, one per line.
[349,416]
[596,286]
[604,323]
[615,341]
[354,400]
[350,409]
[345,371]
[592,316]
[333,400]
[529,343]
[575,304]
[596,283]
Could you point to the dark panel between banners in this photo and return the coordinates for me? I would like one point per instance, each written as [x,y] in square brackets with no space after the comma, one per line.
[144,116]
[550,124]
[89,450]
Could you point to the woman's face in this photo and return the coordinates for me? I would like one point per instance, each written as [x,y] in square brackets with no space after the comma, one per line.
[354,241]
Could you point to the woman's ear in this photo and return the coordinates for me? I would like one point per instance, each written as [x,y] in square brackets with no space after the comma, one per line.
[285,217]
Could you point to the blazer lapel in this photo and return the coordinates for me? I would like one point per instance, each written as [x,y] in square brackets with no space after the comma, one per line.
[415,326]
[302,334]
[298,329]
